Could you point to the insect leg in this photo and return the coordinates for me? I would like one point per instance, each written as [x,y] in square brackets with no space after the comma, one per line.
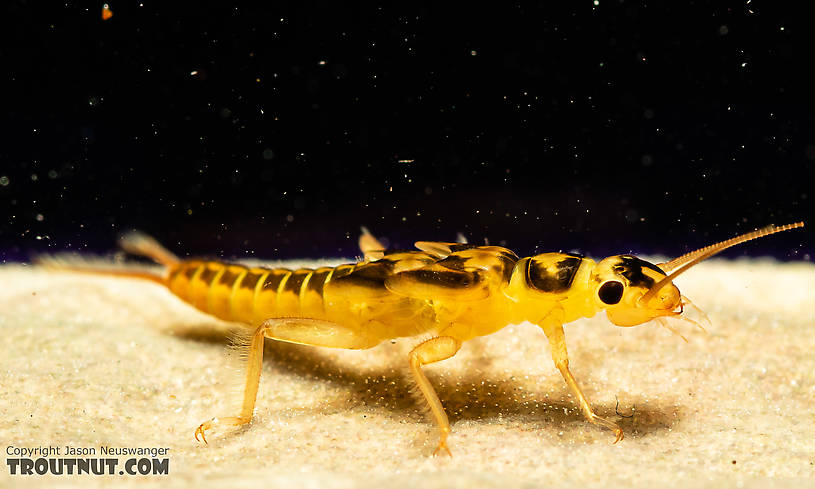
[553,328]
[318,332]
[434,350]
[372,249]
[304,331]
[254,365]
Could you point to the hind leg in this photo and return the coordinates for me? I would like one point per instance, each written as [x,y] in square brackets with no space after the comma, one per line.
[254,364]
[372,249]
[293,330]
[431,351]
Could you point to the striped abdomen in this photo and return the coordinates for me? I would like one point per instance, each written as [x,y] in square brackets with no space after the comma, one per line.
[253,294]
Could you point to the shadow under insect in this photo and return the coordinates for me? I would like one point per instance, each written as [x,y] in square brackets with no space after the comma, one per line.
[475,395]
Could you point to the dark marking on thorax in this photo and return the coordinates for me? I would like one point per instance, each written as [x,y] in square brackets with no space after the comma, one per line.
[553,276]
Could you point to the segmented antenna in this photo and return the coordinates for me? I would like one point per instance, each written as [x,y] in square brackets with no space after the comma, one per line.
[681,264]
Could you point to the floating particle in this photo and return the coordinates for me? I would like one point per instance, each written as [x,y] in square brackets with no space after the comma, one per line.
[4,181]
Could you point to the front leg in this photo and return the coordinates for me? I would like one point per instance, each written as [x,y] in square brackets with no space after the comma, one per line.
[552,326]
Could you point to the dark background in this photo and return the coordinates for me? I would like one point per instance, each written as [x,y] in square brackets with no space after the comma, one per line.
[276,131]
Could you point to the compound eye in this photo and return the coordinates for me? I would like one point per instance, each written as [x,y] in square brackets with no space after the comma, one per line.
[611,292]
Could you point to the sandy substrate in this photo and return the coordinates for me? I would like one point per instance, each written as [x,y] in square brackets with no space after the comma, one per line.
[89,361]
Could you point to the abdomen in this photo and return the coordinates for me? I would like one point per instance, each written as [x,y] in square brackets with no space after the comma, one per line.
[252,294]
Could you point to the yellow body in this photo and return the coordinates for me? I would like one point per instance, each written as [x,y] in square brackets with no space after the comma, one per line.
[467,293]
[365,298]
[252,295]
[448,292]
[451,292]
